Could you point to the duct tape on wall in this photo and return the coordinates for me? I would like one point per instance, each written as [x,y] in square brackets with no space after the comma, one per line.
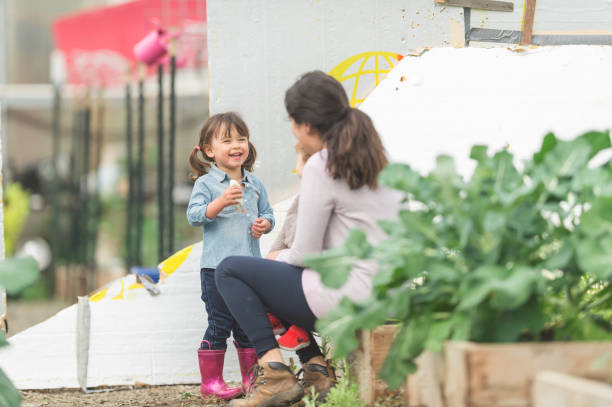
[82,341]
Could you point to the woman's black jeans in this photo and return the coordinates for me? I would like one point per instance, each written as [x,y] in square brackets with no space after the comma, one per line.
[252,286]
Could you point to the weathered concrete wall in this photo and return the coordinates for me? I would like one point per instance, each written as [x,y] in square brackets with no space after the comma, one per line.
[258,48]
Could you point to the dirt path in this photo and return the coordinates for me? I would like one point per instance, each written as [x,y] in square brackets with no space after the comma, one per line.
[24,314]
[153,396]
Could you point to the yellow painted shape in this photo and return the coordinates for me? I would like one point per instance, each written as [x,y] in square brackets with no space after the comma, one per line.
[120,295]
[135,286]
[98,295]
[340,71]
[173,262]
[523,19]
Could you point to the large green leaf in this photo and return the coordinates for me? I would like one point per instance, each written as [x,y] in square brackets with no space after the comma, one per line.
[335,265]
[342,324]
[508,326]
[568,157]
[479,153]
[400,176]
[548,144]
[9,395]
[597,181]
[595,256]
[439,332]
[598,219]
[409,342]
[18,273]
[598,140]
[507,289]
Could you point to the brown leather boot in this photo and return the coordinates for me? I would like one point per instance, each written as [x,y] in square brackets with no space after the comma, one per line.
[322,378]
[274,386]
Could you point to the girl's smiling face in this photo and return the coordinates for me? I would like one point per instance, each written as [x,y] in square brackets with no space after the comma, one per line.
[229,149]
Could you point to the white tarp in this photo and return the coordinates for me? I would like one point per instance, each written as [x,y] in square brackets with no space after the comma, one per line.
[134,337]
[447,100]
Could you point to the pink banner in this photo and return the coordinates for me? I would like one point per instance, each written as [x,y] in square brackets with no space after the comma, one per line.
[98,45]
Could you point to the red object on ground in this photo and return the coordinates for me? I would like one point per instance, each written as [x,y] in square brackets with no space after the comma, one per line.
[294,339]
[98,44]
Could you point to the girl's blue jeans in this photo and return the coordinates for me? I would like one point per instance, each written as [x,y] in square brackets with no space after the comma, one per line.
[221,323]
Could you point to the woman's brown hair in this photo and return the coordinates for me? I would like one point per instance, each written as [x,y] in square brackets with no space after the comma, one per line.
[355,151]
[218,125]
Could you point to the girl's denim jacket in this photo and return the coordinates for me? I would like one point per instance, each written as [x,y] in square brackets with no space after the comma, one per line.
[229,233]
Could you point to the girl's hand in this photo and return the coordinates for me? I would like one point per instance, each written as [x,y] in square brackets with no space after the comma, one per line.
[260,226]
[231,196]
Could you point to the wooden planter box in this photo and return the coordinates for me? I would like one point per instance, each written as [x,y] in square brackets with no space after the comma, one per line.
[424,388]
[474,375]
[496,375]
[552,389]
[366,362]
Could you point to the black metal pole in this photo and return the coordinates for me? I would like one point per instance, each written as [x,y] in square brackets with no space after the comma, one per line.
[55,196]
[96,207]
[160,163]
[172,131]
[129,235]
[141,180]
[75,203]
[86,218]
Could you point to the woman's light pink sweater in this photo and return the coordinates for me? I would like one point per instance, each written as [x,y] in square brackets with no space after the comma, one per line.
[328,210]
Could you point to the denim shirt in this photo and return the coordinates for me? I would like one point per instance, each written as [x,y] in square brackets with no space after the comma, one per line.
[229,233]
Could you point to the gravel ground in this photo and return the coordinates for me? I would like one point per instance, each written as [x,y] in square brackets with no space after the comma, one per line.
[24,314]
[149,396]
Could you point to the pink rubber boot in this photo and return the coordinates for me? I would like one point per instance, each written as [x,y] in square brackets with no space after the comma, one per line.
[211,371]
[247,359]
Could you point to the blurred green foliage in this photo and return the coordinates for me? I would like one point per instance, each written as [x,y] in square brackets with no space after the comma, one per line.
[511,254]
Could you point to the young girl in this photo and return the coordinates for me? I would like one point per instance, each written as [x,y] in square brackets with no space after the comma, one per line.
[233,218]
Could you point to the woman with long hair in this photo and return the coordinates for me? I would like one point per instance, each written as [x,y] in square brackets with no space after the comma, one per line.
[339,192]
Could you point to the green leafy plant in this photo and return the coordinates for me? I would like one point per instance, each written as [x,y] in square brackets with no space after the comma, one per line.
[344,393]
[511,254]
[16,211]
[15,275]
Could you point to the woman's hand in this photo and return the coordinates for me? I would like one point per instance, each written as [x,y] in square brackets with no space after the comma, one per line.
[260,226]
[273,255]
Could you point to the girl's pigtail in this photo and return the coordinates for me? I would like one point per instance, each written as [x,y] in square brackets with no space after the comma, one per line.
[250,161]
[198,166]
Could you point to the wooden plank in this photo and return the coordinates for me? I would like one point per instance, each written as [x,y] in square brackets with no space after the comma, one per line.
[528,16]
[552,389]
[424,388]
[496,375]
[456,379]
[492,5]
[373,349]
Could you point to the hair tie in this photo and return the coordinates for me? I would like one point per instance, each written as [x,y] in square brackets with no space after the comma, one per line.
[346,111]
[197,148]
